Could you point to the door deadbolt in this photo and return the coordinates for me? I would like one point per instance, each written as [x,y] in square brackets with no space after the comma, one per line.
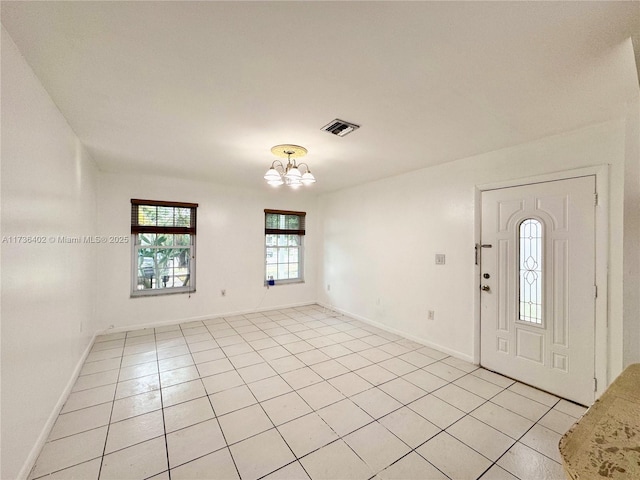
[486,275]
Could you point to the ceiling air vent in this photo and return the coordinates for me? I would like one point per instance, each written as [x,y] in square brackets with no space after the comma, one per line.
[340,127]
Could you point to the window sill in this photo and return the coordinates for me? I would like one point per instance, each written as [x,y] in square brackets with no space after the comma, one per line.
[283,282]
[160,292]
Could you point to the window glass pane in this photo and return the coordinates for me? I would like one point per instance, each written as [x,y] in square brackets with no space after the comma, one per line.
[176,271]
[272,220]
[182,240]
[157,239]
[293,255]
[272,255]
[272,271]
[147,215]
[165,240]
[165,216]
[181,258]
[282,240]
[272,240]
[182,217]
[146,238]
[293,270]
[292,222]
[530,271]
[283,271]
[146,268]
[283,255]
[163,267]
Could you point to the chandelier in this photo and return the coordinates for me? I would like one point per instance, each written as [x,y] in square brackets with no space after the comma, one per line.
[291,174]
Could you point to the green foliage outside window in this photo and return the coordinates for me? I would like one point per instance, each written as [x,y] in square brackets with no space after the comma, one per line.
[162,257]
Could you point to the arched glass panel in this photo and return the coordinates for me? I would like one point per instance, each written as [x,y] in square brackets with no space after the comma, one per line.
[531,271]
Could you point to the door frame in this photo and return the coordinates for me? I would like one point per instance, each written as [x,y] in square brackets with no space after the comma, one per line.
[601,173]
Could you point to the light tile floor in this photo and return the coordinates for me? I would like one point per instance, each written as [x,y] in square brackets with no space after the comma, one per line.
[296,394]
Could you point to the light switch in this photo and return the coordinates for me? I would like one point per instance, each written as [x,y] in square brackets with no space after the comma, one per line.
[440,258]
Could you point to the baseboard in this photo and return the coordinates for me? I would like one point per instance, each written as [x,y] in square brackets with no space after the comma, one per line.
[386,328]
[30,462]
[173,321]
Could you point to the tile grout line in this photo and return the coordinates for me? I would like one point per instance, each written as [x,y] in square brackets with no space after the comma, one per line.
[293,390]
[164,423]
[115,392]
[117,381]
[402,405]
[400,376]
[523,435]
[279,375]
[84,431]
[308,319]
[313,410]
[466,413]
[354,371]
[215,415]
[495,462]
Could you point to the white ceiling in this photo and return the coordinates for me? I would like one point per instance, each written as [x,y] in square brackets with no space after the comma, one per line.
[203,90]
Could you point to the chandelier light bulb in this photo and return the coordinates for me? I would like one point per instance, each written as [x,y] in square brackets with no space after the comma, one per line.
[272,174]
[293,173]
[308,178]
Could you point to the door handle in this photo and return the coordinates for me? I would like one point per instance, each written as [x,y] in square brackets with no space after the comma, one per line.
[485,288]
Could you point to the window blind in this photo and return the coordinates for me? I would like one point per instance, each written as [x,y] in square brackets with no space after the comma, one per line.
[152,216]
[284,222]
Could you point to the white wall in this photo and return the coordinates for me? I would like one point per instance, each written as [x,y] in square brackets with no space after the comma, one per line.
[48,184]
[380,239]
[230,251]
[632,235]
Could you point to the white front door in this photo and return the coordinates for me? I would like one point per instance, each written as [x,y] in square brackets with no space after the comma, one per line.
[538,285]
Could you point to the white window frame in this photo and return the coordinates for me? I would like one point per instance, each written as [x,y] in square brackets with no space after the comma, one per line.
[300,233]
[190,286]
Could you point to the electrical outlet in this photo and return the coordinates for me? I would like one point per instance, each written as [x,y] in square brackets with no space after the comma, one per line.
[223,292]
[431,315]
[328,287]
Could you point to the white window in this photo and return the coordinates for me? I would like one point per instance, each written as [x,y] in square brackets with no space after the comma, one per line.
[284,239]
[163,239]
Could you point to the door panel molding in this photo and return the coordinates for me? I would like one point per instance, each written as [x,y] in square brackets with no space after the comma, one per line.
[601,173]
